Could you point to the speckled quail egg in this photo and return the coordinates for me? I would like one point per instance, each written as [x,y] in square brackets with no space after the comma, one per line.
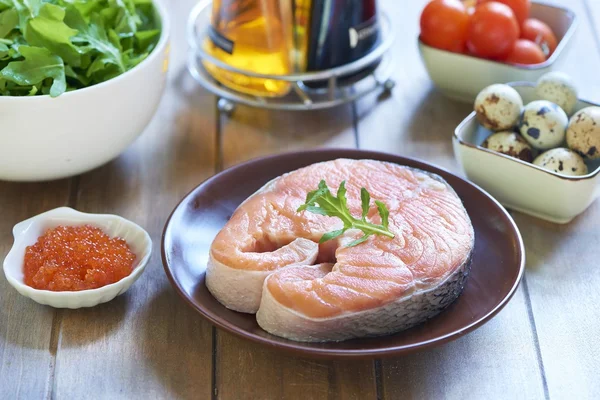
[558,88]
[498,107]
[583,133]
[509,143]
[562,161]
[543,124]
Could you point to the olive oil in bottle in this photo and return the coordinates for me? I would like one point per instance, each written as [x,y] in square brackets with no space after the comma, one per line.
[301,13]
[252,35]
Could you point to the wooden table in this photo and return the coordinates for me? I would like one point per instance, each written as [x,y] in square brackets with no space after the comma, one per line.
[149,344]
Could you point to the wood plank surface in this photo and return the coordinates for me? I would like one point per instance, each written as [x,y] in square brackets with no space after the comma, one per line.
[251,132]
[417,121]
[261,373]
[147,343]
[497,361]
[26,330]
[563,285]
[562,275]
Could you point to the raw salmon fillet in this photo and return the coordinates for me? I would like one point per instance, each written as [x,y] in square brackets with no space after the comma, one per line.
[267,259]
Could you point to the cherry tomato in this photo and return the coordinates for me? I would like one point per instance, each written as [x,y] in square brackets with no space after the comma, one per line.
[540,33]
[525,52]
[519,7]
[493,30]
[470,6]
[444,25]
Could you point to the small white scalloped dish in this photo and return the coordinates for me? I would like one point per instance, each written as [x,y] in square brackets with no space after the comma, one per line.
[519,185]
[26,233]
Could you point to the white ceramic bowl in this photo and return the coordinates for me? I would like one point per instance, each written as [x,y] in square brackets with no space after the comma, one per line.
[519,185]
[27,232]
[44,138]
[462,77]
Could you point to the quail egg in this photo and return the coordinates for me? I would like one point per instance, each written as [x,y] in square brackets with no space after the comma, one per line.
[562,161]
[543,124]
[558,88]
[509,143]
[583,133]
[498,107]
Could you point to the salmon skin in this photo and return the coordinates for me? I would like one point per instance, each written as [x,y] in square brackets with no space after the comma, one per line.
[267,258]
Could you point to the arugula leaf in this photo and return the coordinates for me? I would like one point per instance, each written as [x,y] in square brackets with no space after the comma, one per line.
[365,199]
[50,31]
[331,235]
[146,39]
[39,64]
[26,9]
[96,38]
[3,51]
[70,73]
[341,194]
[358,241]
[322,202]
[146,13]
[9,20]
[13,52]
[98,65]
[312,197]
[85,41]
[113,37]
[383,213]
[127,20]
[86,8]
[5,4]
[316,210]
[109,15]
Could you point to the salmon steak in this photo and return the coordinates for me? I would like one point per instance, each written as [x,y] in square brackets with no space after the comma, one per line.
[267,258]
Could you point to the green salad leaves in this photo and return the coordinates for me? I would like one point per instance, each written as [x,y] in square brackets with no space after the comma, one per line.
[53,46]
[321,201]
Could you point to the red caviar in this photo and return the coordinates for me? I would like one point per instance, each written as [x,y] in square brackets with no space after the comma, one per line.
[70,258]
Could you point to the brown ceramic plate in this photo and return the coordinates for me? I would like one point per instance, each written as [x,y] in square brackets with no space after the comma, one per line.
[498,260]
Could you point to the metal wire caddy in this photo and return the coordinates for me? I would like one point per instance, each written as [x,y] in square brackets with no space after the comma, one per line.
[301,97]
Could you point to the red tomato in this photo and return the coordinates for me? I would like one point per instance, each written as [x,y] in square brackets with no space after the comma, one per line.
[540,33]
[525,52]
[519,7]
[470,6]
[493,30]
[444,25]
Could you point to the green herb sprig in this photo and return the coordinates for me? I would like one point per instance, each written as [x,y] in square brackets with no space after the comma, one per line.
[322,202]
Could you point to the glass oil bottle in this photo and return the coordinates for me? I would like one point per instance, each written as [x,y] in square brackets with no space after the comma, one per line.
[251,35]
[339,32]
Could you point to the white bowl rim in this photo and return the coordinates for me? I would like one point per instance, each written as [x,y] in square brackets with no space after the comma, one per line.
[78,293]
[471,116]
[559,48]
[160,46]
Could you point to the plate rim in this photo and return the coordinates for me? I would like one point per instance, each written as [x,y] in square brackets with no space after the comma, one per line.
[298,347]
